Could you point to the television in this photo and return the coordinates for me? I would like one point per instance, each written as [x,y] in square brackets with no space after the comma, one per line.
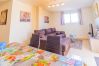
[91,33]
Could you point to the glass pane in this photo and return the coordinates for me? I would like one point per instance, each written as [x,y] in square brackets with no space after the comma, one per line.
[74,17]
[67,18]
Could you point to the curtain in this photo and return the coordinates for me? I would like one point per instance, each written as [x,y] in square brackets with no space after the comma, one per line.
[79,12]
[80,16]
[62,18]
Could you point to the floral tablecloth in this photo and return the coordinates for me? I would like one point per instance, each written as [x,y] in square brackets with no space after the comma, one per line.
[20,55]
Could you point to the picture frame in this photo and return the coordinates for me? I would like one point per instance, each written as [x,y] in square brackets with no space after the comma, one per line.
[24,16]
[46,19]
[3,17]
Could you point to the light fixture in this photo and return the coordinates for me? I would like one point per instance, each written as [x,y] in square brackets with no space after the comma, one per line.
[62,4]
[53,5]
[56,5]
[49,6]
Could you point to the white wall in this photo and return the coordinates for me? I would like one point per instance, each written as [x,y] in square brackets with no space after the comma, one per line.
[80,30]
[5,29]
[20,31]
[41,13]
[35,17]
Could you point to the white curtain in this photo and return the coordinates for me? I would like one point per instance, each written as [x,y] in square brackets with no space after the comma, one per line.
[80,16]
[62,18]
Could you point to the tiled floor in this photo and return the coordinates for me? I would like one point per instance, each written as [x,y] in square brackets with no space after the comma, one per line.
[85,53]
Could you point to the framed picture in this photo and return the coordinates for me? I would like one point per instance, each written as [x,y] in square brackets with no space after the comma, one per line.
[24,16]
[46,19]
[3,17]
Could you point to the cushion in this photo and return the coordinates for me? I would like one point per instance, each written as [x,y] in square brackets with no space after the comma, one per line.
[39,31]
[62,32]
[53,29]
[48,31]
[58,33]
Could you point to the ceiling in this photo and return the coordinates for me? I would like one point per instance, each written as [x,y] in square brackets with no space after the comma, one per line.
[69,4]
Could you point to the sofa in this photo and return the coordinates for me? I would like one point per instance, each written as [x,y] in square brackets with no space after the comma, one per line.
[42,37]
[49,32]
[55,45]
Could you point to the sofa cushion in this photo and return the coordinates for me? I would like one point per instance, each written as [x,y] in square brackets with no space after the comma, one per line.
[57,33]
[53,29]
[39,31]
[48,31]
[62,32]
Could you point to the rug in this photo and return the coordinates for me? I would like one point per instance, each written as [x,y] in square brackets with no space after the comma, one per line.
[97,60]
[77,44]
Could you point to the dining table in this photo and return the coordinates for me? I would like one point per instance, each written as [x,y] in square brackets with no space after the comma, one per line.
[23,55]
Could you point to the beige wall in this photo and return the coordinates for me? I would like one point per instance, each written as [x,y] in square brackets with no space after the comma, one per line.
[4,29]
[35,17]
[41,13]
[20,31]
[80,30]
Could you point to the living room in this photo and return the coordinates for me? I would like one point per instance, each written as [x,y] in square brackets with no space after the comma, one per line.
[48,14]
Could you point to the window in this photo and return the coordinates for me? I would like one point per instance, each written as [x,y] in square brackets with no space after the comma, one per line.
[71,17]
[66,18]
[75,18]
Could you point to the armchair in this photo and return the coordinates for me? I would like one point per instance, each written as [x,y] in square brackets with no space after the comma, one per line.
[54,45]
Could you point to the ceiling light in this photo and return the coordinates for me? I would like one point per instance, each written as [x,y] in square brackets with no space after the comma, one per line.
[62,4]
[53,5]
[49,6]
[57,4]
